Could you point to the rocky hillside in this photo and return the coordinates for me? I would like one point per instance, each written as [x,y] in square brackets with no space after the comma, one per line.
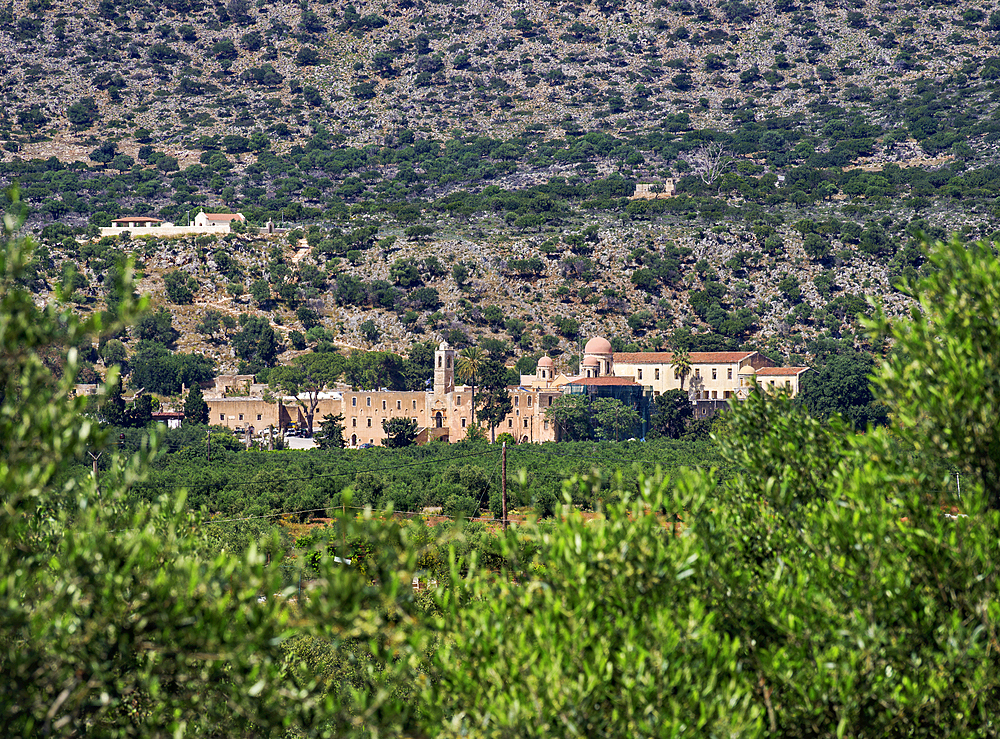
[464,170]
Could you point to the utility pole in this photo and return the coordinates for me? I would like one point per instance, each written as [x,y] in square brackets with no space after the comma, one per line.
[210,445]
[503,485]
[95,457]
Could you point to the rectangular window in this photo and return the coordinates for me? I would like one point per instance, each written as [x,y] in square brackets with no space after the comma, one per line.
[463,423]
[715,373]
[550,400]
[354,402]
[222,416]
[241,415]
[510,423]
[354,422]
[529,401]
[368,401]
[656,374]
[638,374]
[727,394]
[729,373]
[545,425]
[697,372]
[399,405]
[258,417]
[715,395]
[517,401]
[788,384]
[369,423]
[414,405]
[526,423]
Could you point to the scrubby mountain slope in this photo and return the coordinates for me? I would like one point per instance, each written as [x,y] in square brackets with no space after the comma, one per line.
[463,168]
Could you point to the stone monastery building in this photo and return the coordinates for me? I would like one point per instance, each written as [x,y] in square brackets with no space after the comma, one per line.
[445,410]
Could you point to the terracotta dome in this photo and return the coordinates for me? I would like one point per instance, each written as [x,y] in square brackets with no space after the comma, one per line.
[598,345]
[591,362]
[546,362]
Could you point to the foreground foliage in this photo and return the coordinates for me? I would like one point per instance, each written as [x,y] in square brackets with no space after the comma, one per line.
[819,591]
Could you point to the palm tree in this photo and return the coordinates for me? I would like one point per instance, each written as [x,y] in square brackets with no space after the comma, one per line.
[681,362]
[468,366]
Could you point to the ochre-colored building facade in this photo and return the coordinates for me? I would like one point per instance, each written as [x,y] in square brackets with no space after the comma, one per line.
[444,412]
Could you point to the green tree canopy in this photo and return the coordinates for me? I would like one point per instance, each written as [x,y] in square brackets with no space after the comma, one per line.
[400,431]
[331,432]
[841,384]
[180,287]
[195,407]
[157,327]
[671,412]
[157,370]
[306,379]
[255,343]
[613,417]
[571,414]
[494,397]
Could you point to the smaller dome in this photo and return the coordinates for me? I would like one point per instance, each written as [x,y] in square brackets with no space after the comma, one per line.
[546,362]
[748,370]
[598,345]
[591,362]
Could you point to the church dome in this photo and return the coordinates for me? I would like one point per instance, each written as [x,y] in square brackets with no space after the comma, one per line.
[591,362]
[598,345]
[546,362]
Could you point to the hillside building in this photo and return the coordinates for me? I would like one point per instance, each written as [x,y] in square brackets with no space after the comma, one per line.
[204,223]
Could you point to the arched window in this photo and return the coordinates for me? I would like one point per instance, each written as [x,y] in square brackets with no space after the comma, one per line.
[438,420]
[439,362]
[354,439]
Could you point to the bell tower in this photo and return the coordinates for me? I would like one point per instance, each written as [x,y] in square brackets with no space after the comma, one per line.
[444,370]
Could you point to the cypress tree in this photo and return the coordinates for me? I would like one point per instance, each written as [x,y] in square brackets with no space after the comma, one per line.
[195,407]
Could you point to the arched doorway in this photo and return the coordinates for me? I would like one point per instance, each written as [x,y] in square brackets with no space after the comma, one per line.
[524,439]
[354,439]
[438,420]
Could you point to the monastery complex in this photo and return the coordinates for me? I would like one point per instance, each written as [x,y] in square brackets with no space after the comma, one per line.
[444,411]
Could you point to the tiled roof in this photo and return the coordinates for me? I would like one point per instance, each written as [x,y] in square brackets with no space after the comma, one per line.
[137,219]
[780,371]
[604,381]
[667,357]
[223,216]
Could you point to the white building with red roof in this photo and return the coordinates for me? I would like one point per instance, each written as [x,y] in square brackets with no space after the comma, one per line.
[218,220]
[712,380]
[204,223]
